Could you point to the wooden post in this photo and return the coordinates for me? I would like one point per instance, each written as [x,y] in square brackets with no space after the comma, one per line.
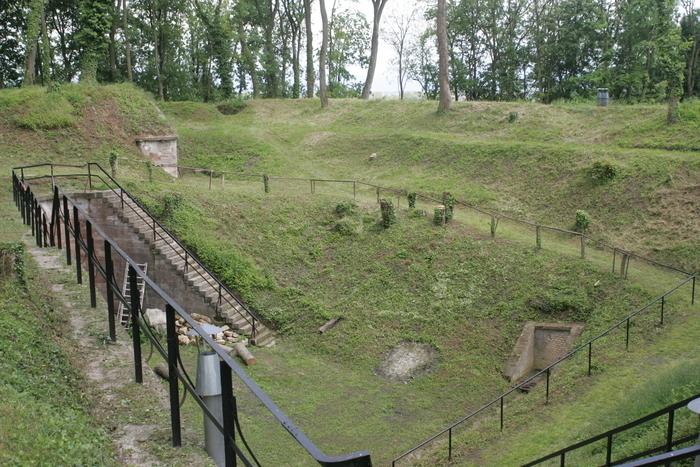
[494,226]
[583,246]
[538,237]
[211,175]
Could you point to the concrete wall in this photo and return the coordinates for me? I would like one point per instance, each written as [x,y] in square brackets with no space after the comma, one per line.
[162,150]
[540,345]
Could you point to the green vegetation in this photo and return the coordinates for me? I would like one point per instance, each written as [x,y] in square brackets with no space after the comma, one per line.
[42,409]
[302,259]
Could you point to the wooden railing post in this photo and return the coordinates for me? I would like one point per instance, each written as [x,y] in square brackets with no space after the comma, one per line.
[110,282]
[91,263]
[76,234]
[135,329]
[173,353]
[66,229]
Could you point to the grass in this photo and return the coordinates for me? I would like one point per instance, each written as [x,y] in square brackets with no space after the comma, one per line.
[300,263]
[43,413]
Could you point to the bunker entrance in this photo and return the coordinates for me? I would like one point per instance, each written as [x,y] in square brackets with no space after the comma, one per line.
[540,345]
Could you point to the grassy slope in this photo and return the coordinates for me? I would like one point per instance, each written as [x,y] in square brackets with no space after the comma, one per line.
[311,269]
[537,167]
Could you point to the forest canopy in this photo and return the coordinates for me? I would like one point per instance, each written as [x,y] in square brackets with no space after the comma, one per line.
[212,50]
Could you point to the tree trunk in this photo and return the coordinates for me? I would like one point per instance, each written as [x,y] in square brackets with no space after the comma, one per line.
[33,32]
[378,9]
[247,59]
[443,63]
[323,92]
[45,52]
[113,43]
[127,45]
[310,75]
[296,51]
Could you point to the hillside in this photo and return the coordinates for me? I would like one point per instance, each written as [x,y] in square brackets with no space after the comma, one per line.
[300,260]
[537,167]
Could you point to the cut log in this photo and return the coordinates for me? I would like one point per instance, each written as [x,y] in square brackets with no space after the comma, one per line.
[329,325]
[244,353]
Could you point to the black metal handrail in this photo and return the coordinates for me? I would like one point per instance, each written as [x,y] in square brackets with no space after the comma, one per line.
[225,293]
[608,435]
[34,215]
[666,458]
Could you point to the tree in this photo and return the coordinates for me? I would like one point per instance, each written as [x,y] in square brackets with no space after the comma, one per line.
[690,33]
[378,9]
[95,20]
[310,75]
[323,56]
[443,62]
[348,41]
[127,43]
[422,67]
[34,25]
[398,37]
[295,14]
[12,23]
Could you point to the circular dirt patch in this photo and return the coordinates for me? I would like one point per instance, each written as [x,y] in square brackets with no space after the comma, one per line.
[407,361]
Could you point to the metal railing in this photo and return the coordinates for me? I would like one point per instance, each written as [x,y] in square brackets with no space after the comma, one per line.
[667,458]
[609,435]
[80,228]
[192,263]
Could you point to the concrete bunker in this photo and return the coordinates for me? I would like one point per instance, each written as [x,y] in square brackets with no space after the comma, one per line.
[161,150]
[540,345]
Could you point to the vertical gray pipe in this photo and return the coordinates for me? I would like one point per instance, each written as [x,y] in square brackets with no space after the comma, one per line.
[209,389]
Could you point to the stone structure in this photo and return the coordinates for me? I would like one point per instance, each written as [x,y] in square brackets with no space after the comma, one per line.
[162,150]
[540,345]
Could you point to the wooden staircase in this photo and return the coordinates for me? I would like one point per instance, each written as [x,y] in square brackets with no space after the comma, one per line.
[123,314]
[229,307]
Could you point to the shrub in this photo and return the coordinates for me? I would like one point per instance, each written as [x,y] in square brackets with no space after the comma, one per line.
[388,214]
[231,106]
[348,226]
[113,157]
[583,221]
[171,203]
[512,117]
[602,172]
[345,208]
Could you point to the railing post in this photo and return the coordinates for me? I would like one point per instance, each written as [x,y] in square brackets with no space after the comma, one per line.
[590,352]
[121,195]
[627,334]
[663,302]
[89,168]
[37,224]
[501,413]
[449,444]
[45,230]
[562,459]
[173,351]
[211,175]
[614,259]
[76,235]
[354,189]
[66,228]
[32,212]
[57,222]
[669,431]
[110,282]
[266,183]
[228,408]
[377,194]
[546,399]
[154,230]
[692,296]
[186,261]
[608,450]
[135,330]
[583,246]
[91,263]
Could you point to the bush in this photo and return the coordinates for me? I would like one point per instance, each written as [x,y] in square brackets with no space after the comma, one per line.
[583,221]
[345,208]
[231,106]
[439,215]
[602,172]
[512,117]
[348,226]
[449,202]
[388,214]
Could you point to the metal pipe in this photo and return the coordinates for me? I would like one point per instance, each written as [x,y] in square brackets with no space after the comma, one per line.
[209,389]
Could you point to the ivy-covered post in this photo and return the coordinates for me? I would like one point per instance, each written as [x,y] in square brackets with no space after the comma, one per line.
[448,201]
[494,226]
[266,183]
[412,200]
[388,213]
[439,215]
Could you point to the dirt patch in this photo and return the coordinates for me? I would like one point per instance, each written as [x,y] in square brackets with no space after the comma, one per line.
[407,361]
[314,139]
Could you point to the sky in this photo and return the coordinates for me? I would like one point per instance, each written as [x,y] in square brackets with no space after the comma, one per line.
[385,79]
